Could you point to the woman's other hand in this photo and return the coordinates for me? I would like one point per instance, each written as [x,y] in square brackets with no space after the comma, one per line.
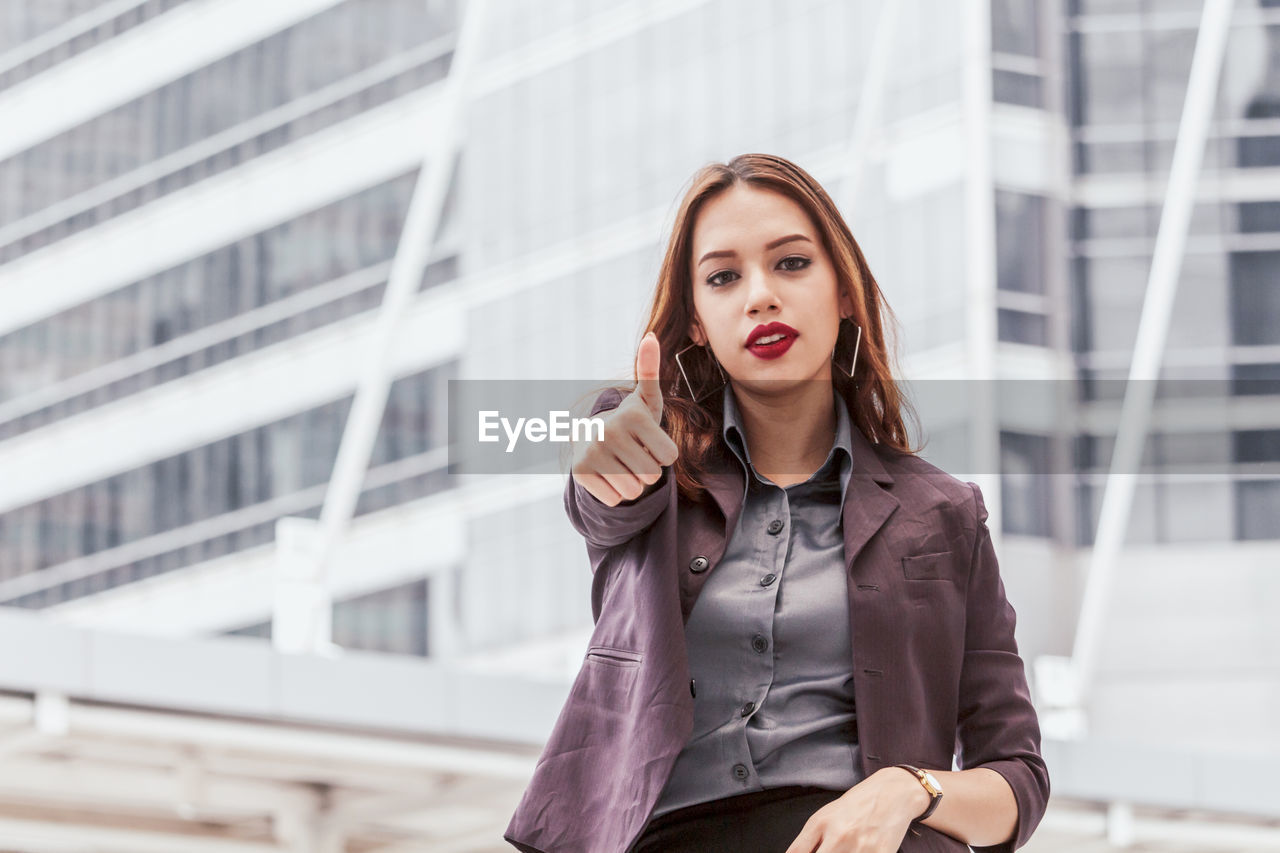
[871,817]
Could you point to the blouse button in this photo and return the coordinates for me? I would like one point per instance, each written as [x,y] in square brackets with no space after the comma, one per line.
[740,771]
[768,579]
[699,564]
[759,643]
[775,526]
[748,708]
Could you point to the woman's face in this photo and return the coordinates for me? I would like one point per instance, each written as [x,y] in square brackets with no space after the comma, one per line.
[744,276]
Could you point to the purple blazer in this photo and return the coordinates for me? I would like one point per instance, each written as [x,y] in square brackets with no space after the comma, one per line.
[936,667]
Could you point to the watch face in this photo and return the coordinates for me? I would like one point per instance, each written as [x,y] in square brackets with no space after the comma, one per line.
[933,782]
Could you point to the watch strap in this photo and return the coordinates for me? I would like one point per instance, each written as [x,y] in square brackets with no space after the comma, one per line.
[935,796]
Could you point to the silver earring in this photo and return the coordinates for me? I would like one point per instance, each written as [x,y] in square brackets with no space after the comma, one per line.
[857,341]
[688,384]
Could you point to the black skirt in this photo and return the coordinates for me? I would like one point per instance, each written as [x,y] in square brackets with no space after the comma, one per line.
[759,822]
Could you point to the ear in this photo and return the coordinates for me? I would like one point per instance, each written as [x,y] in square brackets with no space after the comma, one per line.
[697,335]
[847,306]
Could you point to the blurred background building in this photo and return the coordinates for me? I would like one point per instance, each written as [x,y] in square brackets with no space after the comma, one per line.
[200,203]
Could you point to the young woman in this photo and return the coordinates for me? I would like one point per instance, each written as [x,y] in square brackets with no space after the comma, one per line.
[799,622]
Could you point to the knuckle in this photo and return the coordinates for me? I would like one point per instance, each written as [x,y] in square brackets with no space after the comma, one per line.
[844,834]
[617,426]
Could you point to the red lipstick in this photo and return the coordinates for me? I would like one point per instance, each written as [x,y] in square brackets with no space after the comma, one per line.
[775,348]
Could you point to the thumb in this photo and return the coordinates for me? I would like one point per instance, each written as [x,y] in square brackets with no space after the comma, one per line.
[648,358]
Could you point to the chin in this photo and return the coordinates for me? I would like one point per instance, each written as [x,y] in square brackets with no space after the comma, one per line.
[779,383]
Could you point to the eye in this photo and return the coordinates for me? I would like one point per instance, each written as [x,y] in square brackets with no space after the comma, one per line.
[714,281]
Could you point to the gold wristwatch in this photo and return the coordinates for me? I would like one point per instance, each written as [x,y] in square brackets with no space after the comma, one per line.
[930,784]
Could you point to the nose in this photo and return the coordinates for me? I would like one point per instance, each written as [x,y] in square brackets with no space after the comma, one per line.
[760,293]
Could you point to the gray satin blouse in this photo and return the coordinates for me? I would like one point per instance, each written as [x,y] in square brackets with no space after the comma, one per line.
[769,641]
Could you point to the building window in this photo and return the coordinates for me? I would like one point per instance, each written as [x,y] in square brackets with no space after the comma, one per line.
[1015,27]
[390,620]
[1025,493]
[1022,327]
[261,630]
[1255,298]
[1259,217]
[1021,271]
[1014,87]
[1257,509]
[1255,380]
[1020,244]
[1257,500]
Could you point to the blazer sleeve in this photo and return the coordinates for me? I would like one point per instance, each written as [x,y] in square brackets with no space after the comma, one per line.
[997,726]
[605,526]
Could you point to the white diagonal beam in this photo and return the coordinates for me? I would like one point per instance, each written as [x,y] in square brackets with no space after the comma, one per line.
[869,114]
[1153,327]
[367,408]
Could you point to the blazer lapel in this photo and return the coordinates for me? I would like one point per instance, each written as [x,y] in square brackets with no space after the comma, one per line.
[867,505]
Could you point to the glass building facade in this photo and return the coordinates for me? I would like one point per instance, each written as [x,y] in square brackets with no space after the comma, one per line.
[195,244]
[1129,63]
[586,120]
[42,35]
[317,270]
[349,59]
[222,497]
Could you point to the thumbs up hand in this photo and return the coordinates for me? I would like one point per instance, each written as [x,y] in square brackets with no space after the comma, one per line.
[648,359]
[629,459]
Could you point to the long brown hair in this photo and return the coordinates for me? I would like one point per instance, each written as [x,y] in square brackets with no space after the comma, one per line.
[875,401]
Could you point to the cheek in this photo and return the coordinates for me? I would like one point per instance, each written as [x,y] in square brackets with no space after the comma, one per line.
[726,350]
[716,326]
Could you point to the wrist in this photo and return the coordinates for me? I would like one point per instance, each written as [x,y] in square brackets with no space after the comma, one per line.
[911,796]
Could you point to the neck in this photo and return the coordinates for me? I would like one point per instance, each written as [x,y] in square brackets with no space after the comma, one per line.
[790,431]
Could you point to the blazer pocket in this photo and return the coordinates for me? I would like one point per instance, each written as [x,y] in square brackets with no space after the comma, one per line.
[614,657]
[926,567]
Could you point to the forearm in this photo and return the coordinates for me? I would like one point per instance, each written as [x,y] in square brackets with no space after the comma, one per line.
[607,526]
[977,805]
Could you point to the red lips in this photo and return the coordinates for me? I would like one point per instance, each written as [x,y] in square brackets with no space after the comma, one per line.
[774,328]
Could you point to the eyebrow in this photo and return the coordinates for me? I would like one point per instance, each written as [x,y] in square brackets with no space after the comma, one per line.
[730,253]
